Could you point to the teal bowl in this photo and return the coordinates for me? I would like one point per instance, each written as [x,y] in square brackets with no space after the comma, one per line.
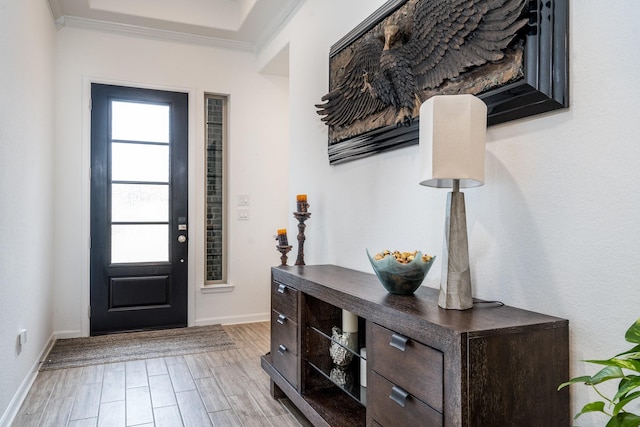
[398,278]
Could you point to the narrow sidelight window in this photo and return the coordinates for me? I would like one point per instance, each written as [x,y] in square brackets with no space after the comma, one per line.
[215,215]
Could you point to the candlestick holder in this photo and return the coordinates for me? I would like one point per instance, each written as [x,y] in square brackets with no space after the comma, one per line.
[284,250]
[301,217]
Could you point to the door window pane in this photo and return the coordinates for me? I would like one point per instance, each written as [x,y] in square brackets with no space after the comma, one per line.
[133,121]
[139,162]
[139,243]
[139,202]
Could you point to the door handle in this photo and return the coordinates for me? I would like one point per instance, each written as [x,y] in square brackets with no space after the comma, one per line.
[182,238]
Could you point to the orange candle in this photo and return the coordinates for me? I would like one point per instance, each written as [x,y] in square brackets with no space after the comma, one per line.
[282,237]
[301,202]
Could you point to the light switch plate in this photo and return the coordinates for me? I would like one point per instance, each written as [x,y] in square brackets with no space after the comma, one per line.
[243,200]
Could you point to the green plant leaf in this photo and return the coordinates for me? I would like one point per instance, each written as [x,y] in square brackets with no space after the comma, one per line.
[631,364]
[575,380]
[623,402]
[628,391]
[596,406]
[624,419]
[626,385]
[628,355]
[635,349]
[605,374]
[608,362]
[633,333]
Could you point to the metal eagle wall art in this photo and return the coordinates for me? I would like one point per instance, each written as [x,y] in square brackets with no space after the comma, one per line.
[419,50]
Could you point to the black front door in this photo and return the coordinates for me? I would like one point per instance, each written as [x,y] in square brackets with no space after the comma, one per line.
[139,190]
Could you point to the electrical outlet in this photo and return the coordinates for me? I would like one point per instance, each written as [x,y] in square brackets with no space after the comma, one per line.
[22,336]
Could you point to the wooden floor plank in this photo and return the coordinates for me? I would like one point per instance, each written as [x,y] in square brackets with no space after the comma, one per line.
[136,374]
[231,379]
[39,394]
[174,360]
[213,396]
[67,383]
[138,406]
[92,374]
[226,418]
[215,359]
[113,386]
[57,412]
[268,405]
[162,393]
[219,388]
[167,416]
[86,422]
[112,414]
[198,365]
[156,366]
[116,366]
[87,402]
[247,410]
[285,420]
[192,409]
[181,378]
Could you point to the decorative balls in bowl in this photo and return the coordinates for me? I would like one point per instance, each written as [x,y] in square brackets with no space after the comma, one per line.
[401,272]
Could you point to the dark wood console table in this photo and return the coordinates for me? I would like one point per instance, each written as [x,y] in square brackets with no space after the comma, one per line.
[489,366]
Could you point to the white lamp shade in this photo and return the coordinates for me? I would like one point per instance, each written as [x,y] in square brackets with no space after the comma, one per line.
[452,140]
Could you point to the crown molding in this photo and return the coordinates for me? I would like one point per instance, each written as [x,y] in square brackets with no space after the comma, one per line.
[278,23]
[153,33]
[266,36]
[55,7]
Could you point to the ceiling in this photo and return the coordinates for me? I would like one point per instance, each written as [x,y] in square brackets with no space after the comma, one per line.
[238,24]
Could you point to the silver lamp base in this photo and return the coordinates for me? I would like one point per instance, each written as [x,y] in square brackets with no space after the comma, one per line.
[455,282]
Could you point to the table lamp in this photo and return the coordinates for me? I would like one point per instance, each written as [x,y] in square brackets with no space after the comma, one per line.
[452,141]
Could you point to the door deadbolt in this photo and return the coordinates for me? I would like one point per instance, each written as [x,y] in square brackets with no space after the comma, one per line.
[182,238]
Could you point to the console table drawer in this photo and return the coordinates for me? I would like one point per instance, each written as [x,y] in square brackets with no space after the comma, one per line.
[391,405]
[285,361]
[284,299]
[284,331]
[409,364]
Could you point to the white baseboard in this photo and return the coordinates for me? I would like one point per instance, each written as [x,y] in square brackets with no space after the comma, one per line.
[18,398]
[234,320]
[61,335]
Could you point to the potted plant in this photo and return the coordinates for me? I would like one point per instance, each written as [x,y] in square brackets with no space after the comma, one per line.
[624,367]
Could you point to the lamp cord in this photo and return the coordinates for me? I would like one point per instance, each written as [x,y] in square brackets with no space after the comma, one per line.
[497,303]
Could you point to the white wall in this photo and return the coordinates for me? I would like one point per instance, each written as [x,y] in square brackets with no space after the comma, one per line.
[554,229]
[257,150]
[27,49]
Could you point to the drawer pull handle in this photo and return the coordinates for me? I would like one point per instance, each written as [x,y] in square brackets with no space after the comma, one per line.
[281,288]
[399,341]
[281,318]
[399,396]
[282,349]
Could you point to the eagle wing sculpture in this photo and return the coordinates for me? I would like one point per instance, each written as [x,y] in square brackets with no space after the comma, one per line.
[348,102]
[443,39]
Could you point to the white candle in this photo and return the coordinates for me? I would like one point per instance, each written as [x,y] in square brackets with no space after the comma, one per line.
[349,322]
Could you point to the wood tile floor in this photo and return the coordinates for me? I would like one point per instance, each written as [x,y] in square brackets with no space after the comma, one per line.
[220,388]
